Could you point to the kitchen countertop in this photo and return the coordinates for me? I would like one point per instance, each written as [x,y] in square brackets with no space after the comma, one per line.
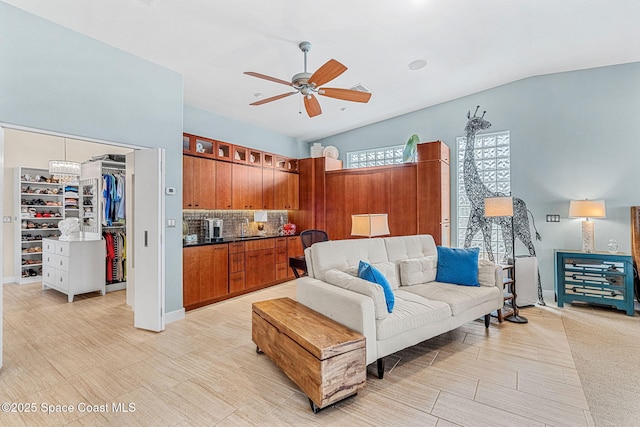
[232,239]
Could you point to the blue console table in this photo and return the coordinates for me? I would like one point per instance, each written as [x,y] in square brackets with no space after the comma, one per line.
[598,278]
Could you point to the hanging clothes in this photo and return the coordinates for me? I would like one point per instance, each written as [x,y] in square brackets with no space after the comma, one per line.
[115,259]
[113,195]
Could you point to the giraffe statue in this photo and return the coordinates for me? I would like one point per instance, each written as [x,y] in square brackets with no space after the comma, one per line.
[476,193]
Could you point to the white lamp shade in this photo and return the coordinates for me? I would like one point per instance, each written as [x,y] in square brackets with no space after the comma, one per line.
[587,209]
[369,225]
[498,206]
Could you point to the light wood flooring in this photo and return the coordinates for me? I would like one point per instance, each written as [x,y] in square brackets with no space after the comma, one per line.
[204,370]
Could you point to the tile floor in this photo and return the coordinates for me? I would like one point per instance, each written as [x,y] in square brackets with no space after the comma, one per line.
[204,371]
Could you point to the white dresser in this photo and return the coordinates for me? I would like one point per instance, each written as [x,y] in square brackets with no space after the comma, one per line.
[73,266]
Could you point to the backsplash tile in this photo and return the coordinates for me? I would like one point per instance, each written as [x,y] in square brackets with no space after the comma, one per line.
[232,221]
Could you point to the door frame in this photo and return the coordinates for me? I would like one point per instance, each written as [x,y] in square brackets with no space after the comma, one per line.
[61,135]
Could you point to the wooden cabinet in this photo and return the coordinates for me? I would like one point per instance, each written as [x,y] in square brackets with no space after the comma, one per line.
[260,260]
[286,190]
[281,258]
[198,183]
[247,187]
[205,274]
[415,195]
[219,271]
[236,267]
[403,204]
[434,202]
[223,185]
[268,201]
[294,249]
[313,191]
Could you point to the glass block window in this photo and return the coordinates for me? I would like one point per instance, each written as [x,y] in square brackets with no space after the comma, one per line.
[375,157]
[492,156]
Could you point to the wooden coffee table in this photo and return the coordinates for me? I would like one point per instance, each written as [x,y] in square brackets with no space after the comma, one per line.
[324,358]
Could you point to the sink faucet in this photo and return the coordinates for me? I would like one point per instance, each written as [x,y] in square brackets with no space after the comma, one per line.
[243,230]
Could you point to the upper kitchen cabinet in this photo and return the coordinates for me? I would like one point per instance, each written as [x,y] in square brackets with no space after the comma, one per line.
[285,188]
[198,183]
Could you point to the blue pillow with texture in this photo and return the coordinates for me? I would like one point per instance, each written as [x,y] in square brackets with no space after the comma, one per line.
[368,272]
[458,266]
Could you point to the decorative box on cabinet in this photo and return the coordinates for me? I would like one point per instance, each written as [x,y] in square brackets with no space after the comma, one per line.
[74,267]
[597,278]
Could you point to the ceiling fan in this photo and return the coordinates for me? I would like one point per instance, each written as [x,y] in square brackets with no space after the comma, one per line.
[309,84]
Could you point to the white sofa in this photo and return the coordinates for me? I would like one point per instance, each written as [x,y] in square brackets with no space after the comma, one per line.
[423,307]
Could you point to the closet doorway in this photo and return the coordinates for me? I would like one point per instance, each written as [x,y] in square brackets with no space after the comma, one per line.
[148,304]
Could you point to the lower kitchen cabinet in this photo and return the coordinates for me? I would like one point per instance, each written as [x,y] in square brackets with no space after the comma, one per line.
[260,263]
[215,272]
[205,274]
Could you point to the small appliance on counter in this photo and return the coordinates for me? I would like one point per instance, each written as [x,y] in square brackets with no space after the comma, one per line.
[212,229]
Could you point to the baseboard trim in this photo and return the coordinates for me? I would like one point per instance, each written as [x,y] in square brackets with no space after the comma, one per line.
[7,280]
[173,316]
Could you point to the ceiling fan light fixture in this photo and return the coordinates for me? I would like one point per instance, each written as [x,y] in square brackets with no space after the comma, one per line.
[418,64]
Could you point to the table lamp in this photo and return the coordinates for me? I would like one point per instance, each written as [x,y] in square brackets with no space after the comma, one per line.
[260,217]
[370,225]
[587,209]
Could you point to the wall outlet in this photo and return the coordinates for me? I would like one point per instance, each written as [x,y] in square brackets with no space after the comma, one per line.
[171,223]
[6,219]
[553,218]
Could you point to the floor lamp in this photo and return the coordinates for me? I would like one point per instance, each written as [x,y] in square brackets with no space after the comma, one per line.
[503,207]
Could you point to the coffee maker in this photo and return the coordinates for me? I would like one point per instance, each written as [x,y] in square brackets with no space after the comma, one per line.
[212,229]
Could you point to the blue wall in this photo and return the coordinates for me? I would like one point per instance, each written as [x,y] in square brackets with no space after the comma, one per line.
[55,79]
[574,135]
[204,123]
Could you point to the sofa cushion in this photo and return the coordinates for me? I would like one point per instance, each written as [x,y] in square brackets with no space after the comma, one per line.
[459,298]
[414,271]
[403,247]
[458,266]
[411,311]
[486,272]
[341,254]
[361,286]
[367,272]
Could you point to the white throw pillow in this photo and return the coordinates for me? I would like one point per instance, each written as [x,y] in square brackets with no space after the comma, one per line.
[414,271]
[486,272]
[361,286]
[389,270]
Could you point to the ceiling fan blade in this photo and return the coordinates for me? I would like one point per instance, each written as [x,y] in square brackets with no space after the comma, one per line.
[271,79]
[312,105]
[345,94]
[273,98]
[329,71]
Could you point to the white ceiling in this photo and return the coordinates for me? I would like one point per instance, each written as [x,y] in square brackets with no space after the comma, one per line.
[469,45]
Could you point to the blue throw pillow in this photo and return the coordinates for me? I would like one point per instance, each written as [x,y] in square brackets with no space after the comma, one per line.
[368,272]
[458,266]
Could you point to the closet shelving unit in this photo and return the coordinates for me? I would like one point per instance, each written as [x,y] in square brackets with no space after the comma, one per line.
[93,223]
[38,208]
